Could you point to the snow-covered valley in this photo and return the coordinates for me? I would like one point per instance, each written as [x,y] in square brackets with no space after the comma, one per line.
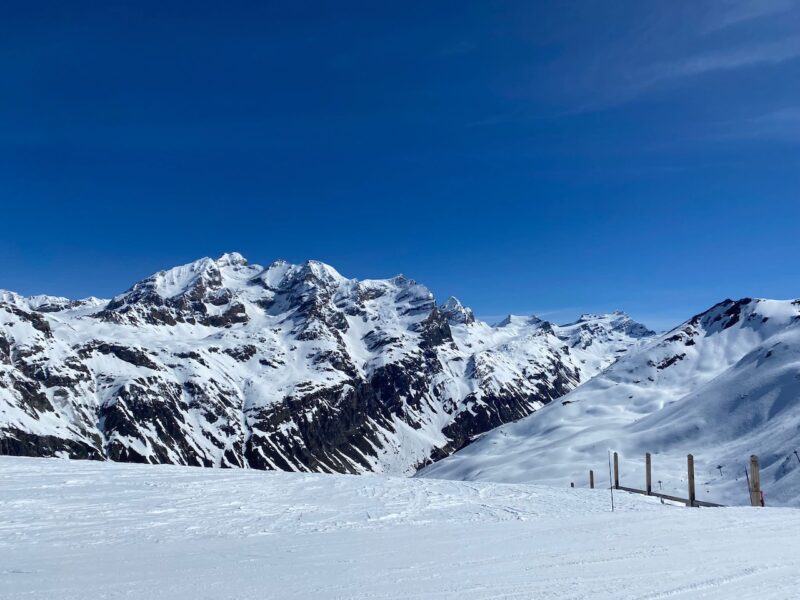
[88,530]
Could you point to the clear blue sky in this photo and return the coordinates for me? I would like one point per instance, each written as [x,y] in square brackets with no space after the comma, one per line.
[550,157]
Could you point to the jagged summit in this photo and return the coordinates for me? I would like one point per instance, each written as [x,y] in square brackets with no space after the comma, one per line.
[322,271]
[232,259]
[617,322]
[596,316]
[520,320]
[456,312]
[46,303]
[617,316]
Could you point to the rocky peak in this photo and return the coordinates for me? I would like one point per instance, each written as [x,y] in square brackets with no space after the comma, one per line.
[434,330]
[520,321]
[184,280]
[203,291]
[48,304]
[457,313]
[752,313]
[281,276]
[623,323]
[637,330]
[616,321]
[274,276]
[604,335]
[7,297]
[321,272]
[231,259]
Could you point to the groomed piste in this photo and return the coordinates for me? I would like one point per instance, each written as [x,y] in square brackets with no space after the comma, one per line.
[85,529]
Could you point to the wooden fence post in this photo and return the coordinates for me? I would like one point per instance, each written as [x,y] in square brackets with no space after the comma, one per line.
[690,469]
[755,482]
[616,470]
[648,474]
[591,479]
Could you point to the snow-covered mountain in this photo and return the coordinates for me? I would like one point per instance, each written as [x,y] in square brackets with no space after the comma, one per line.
[723,385]
[292,367]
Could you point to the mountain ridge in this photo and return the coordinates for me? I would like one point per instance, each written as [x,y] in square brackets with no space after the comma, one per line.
[220,362]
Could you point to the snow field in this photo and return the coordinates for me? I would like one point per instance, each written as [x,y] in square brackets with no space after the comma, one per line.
[72,529]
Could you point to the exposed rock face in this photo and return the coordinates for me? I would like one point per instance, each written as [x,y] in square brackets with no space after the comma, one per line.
[294,367]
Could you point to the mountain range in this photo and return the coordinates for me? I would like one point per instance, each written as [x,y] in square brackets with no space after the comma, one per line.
[295,367]
[290,366]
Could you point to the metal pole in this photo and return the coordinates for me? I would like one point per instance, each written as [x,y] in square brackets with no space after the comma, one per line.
[749,489]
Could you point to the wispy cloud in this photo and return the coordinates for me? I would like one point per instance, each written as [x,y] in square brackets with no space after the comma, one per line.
[781,124]
[668,48]
[728,13]
[727,59]
[784,116]
[692,51]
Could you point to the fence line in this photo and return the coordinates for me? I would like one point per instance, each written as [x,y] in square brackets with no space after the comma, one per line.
[753,483]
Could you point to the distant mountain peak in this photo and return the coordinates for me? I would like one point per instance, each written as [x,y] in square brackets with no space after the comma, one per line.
[610,316]
[455,312]
[521,320]
[616,321]
[322,271]
[232,259]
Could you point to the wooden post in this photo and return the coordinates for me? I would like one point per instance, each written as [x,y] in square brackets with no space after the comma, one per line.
[690,469]
[648,474]
[591,479]
[616,470]
[755,482]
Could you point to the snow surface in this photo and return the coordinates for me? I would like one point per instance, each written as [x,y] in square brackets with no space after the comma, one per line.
[90,530]
[722,386]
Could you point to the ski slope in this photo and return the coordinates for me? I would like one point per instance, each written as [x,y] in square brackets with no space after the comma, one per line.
[86,530]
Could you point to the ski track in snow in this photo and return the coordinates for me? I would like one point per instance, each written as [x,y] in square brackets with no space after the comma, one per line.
[82,530]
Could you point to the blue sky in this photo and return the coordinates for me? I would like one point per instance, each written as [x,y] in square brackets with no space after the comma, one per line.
[526,157]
